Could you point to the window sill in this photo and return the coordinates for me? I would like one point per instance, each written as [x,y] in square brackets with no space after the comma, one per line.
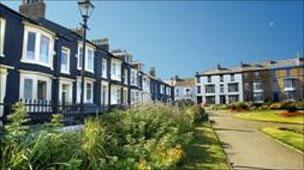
[65,72]
[36,63]
[2,55]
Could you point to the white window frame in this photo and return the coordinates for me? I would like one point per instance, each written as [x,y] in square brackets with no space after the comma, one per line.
[88,48]
[35,77]
[78,89]
[116,74]
[68,52]
[104,68]
[69,83]
[39,32]
[2,36]
[106,102]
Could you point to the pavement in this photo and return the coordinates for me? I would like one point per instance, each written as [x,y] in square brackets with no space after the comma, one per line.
[247,148]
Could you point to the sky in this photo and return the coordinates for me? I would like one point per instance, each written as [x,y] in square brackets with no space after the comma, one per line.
[183,37]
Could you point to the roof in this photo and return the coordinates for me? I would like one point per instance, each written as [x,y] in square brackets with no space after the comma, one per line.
[256,66]
[185,82]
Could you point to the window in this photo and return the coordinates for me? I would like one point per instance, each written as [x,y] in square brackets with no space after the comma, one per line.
[90,60]
[38,46]
[126,76]
[65,91]
[133,77]
[31,41]
[116,70]
[245,75]
[177,92]
[221,78]
[104,68]
[35,87]
[80,56]
[290,95]
[104,94]
[65,60]
[222,88]
[257,86]
[89,92]
[198,89]
[290,83]
[210,89]
[287,73]
[233,98]
[256,74]
[118,96]
[41,90]
[44,49]
[161,89]
[198,80]
[28,89]
[210,99]
[2,36]
[232,78]
[258,97]
[233,87]
[209,79]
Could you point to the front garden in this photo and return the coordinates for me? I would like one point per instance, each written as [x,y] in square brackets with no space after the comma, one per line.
[144,137]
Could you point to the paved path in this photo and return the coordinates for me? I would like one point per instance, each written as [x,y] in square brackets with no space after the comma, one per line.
[249,149]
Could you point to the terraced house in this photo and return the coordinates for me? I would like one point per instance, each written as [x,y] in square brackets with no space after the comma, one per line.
[279,80]
[40,60]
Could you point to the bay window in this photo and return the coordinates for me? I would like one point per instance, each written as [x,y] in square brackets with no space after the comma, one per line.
[2,35]
[88,90]
[38,46]
[65,91]
[34,86]
[65,60]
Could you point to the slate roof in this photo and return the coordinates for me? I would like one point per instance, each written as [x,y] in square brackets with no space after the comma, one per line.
[185,82]
[256,66]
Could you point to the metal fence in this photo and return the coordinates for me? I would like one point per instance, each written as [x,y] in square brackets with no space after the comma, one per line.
[41,111]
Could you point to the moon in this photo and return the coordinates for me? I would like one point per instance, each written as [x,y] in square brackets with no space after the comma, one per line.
[271,23]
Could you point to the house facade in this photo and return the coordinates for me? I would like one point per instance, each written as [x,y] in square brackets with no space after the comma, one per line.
[219,86]
[184,88]
[41,61]
[279,80]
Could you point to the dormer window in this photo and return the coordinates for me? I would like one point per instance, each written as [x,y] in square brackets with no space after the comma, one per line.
[38,47]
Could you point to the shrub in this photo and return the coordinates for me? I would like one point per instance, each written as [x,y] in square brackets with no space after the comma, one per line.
[238,106]
[145,137]
[291,114]
[195,113]
[218,107]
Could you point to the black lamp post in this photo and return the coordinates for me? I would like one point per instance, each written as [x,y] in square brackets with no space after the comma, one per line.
[86,9]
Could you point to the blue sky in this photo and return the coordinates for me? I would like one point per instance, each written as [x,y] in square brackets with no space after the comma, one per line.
[182,37]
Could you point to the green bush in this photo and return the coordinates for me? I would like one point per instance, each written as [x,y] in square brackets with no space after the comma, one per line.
[238,106]
[290,106]
[145,137]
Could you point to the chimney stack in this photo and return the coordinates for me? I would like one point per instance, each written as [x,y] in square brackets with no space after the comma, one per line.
[152,72]
[33,9]
[102,43]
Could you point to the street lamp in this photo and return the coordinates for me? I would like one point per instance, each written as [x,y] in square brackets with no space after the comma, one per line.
[86,9]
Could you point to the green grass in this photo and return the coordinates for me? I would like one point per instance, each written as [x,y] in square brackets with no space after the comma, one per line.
[269,116]
[204,151]
[291,138]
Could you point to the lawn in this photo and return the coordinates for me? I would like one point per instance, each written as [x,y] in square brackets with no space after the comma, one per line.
[270,116]
[288,137]
[204,151]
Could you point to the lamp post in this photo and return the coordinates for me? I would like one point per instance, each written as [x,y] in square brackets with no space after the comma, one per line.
[86,9]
